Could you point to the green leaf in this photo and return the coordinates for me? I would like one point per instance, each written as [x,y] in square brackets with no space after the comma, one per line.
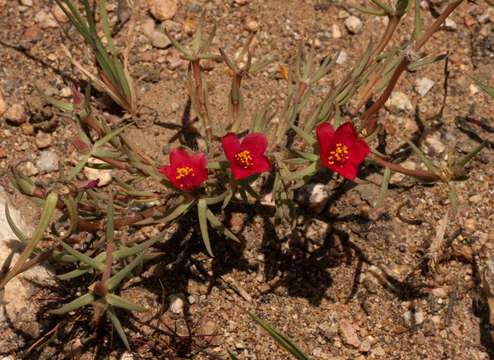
[417,31]
[384,187]
[82,257]
[233,356]
[73,274]
[308,138]
[203,224]
[428,163]
[118,327]
[81,301]
[282,340]
[307,171]
[488,89]
[20,235]
[219,226]
[48,210]
[116,279]
[453,197]
[120,302]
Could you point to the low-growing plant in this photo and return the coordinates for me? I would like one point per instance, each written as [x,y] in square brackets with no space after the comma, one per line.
[292,147]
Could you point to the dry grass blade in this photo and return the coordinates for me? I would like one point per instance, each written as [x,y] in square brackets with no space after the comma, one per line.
[436,247]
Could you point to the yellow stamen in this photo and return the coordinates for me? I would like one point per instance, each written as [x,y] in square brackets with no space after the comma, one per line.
[244,158]
[183,172]
[339,155]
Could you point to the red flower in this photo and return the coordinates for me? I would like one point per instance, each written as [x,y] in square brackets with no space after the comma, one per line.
[186,171]
[247,157]
[342,150]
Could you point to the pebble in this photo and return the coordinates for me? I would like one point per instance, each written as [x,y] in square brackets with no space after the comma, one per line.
[192,299]
[242,2]
[450,25]
[412,319]
[316,231]
[29,169]
[335,31]
[32,34]
[158,38]
[163,9]
[353,24]
[398,103]
[348,334]
[314,196]
[364,347]
[3,104]
[440,292]
[127,356]
[26,2]
[342,58]
[423,85]
[43,140]
[27,129]
[104,176]
[48,161]
[176,303]
[378,352]
[16,115]
[252,25]
[435,144]
[476,198]
[59,14]
[45,20]
[470,224]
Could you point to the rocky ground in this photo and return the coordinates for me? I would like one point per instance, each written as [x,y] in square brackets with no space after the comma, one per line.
[351,284]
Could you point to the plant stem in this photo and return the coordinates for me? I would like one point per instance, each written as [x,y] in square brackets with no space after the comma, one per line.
[200,96]
[420,174]
[371,122]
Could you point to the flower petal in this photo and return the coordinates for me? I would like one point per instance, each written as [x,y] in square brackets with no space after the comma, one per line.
[256,143]
[231,146]
[179,157]
[346,134]
[348,170]
[359,152]
[325,136]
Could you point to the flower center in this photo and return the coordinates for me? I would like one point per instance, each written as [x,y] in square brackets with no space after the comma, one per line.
[244,158]
[338,155]
[183,172]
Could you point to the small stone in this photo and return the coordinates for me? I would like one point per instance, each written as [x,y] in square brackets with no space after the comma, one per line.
[413,318]
[148,26]
[174,60]
[127,356]
[353,24]
[378,352]
[43,140]
[450,25]
[348,333]
[365,347]
[241,2]
[29,169]
[104,176]
[473,89]
[398,103]
[252,25]
[440,292]
[160,40]
[27,129]
[3,153]
[32,34]
[434,142]
[163,9]
[45,20]
[436,319]
[469,224]
[335,31]
[59,14]
[423,85]
[314,196]
[317,230]
[16,114]
[28,3]
[342,58]
[343,14]
[3,104]
[192,299]
[48,161]
[176,303]
[475,198]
